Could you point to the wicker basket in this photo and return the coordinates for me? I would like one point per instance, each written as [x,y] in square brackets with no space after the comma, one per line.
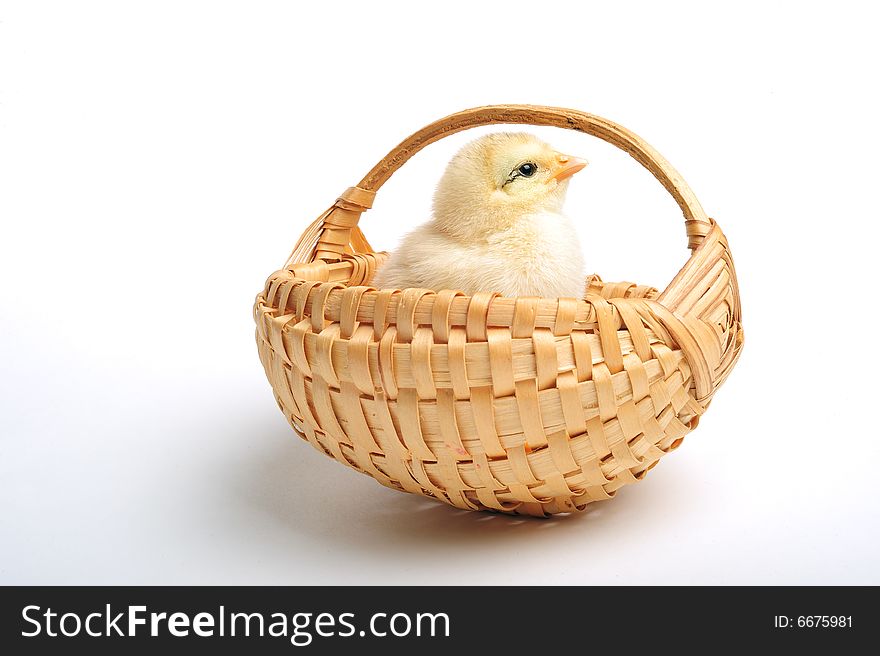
[525,405]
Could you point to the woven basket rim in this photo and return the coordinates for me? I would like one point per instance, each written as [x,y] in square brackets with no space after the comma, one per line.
[292,267]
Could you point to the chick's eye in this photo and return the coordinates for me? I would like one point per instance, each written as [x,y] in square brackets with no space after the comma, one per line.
[528,169]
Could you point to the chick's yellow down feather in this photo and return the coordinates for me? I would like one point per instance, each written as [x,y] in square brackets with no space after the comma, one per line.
[497,225]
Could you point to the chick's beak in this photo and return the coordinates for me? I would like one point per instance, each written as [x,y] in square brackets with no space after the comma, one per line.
[567,167]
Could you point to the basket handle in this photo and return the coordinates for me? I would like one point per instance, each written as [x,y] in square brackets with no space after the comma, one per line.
[330,236]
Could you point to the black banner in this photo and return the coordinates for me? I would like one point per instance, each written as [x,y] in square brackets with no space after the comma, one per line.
[515,620]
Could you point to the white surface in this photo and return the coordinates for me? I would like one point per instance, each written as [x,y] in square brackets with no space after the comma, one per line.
[159,160]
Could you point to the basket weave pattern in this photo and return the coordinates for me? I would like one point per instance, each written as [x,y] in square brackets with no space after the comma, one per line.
[526,405]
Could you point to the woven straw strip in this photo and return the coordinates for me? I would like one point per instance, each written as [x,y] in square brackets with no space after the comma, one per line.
[411,426]
[480,310]
[440,315]
[457,362]
[500,361]
[484,422]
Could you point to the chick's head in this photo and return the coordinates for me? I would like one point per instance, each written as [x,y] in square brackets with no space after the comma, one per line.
[499,178]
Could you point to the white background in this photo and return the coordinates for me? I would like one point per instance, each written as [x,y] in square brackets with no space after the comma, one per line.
[158,160]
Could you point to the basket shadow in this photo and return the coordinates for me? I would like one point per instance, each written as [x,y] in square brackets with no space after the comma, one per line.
[312,496]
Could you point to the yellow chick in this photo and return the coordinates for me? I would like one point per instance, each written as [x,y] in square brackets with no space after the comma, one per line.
[497,225]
